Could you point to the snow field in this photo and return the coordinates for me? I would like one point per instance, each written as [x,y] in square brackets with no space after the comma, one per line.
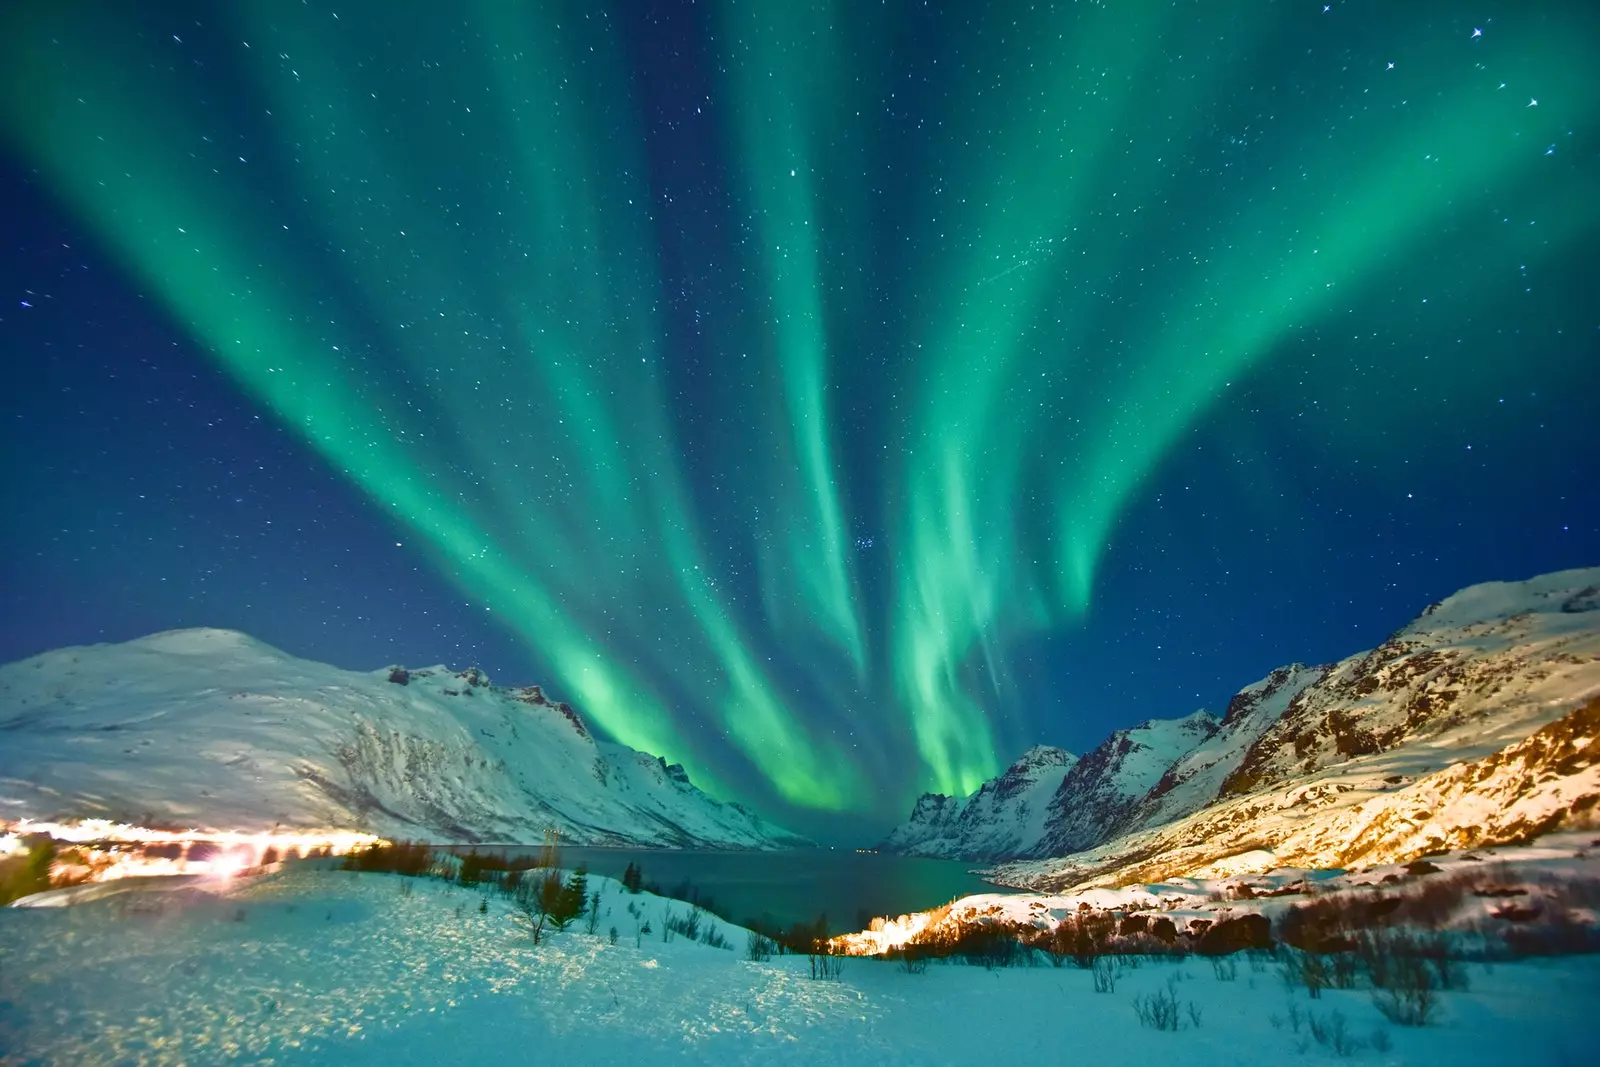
[318,965]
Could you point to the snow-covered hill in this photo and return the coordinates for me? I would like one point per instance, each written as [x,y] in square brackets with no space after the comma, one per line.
[1003,818]
[212,728]
[1425,742]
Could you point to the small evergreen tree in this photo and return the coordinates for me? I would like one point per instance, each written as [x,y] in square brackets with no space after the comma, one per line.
[567,900]
[632,879]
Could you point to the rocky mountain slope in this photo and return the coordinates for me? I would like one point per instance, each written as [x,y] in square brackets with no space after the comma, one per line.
[1101,791]
[1003,818]
[211,728]
[1470,724]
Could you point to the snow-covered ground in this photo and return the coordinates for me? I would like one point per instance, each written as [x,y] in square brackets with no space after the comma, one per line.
[327,966]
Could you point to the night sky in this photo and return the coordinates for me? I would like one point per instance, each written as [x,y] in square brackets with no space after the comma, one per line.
[835,398]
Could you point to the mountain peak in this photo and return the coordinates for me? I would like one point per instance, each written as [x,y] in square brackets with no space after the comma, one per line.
[1569,592]
[1043,756]
[212,728]
[1481,669]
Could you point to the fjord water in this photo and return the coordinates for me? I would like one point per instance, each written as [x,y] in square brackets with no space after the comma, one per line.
[791,886]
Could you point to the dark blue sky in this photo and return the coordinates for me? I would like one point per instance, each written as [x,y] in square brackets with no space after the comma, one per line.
[1435,429]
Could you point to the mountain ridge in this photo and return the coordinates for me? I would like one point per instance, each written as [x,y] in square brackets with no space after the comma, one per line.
[1005,811]
[210,727]
[1463,682]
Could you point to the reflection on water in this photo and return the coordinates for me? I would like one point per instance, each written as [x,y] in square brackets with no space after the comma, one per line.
[850,888]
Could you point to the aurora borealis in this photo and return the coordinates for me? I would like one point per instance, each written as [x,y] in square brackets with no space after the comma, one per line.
[836,398]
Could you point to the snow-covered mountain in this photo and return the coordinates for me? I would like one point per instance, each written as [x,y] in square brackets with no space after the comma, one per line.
[1003,818]
[1470,724]
[211,728]
[1100,792]
[1192,781]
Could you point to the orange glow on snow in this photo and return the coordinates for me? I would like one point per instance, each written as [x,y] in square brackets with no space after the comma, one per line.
[884,935]
[101,850]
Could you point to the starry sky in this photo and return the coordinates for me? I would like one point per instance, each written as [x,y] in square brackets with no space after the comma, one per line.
[834,397]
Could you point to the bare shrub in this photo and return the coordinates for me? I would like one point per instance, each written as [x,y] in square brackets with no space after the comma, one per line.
[688,925]
[1237,934]
[759,947]
[990,946]
[531,902]
[1157,1011]
[1306,969]
[826,968]
[1333,1032]
[1393,958]
[912,962]
[1226,968]
[1082,937]
[1433,903]
[1342,968]
[1562,930]
[1105,975]
[802,938]
[1409,996]
[984,943]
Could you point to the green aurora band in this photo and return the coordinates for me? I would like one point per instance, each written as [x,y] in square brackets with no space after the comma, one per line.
[446,282]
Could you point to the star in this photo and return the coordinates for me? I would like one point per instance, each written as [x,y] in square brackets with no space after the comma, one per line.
[1477,31]
[1390,67]
[1533,102]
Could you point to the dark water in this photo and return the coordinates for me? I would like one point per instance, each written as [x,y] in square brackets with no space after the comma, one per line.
[788,887]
